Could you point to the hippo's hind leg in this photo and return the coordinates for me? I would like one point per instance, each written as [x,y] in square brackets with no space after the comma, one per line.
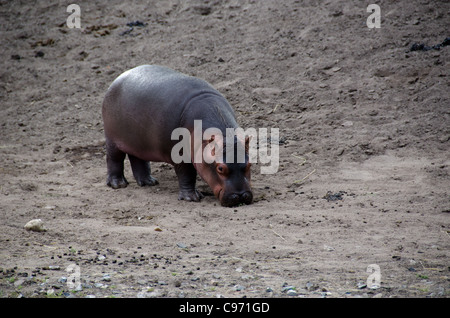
[114,163]
[141,171]
[187,175]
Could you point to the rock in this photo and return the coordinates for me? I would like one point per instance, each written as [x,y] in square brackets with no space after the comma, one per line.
[291,292]
[181,245]
[39,54]
[106,278]
[238,287]
[361,285]
[247,277]
[347,123]
[310,286]
[285,289]
[35,225]
[54,267]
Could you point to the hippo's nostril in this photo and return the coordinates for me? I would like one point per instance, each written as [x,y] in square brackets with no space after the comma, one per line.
[234,197]
[246,197]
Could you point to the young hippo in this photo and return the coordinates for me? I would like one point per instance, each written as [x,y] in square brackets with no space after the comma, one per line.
[142,108]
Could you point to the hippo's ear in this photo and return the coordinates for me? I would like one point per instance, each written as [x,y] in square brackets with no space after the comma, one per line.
[247,143]
[212,148]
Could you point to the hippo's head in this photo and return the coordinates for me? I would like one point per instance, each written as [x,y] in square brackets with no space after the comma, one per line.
[230,181]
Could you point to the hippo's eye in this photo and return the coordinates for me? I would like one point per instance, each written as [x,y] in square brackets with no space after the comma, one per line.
[221,168]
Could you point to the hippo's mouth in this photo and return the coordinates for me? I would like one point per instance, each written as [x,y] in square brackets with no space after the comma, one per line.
[219,193]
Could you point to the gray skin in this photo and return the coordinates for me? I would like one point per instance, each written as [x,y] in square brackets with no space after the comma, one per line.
[141,109]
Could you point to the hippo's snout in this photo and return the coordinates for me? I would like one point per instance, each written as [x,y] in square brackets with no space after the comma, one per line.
[234,199]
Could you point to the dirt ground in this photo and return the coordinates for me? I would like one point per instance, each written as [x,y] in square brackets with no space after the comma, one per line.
[364,151]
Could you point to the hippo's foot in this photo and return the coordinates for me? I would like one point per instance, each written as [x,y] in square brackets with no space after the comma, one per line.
[147,181]
[190,195]
[141,171]
[117,182]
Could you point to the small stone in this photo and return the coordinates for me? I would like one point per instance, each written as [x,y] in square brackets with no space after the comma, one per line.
[106,278]
[347,123]
[35,225]
[158,229]
[361,285]
[310,286]
[287,288]
[238,287]
[291,292]
[62,280]
[269,290]
[247,277]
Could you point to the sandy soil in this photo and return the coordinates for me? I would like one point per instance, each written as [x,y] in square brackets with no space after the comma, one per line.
[364,151]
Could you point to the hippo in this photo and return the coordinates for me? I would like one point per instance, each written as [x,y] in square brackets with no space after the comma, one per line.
[141,109]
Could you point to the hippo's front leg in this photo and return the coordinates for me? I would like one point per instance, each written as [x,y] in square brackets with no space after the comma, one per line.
[187,175]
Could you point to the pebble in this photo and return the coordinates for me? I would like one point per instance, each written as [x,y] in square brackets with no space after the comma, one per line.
[247,277]
[310,286]
[35,225]
[238,287]
[287,288]
[106,278]
[291,292]
[181,245]
[361,285]
[62,280]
